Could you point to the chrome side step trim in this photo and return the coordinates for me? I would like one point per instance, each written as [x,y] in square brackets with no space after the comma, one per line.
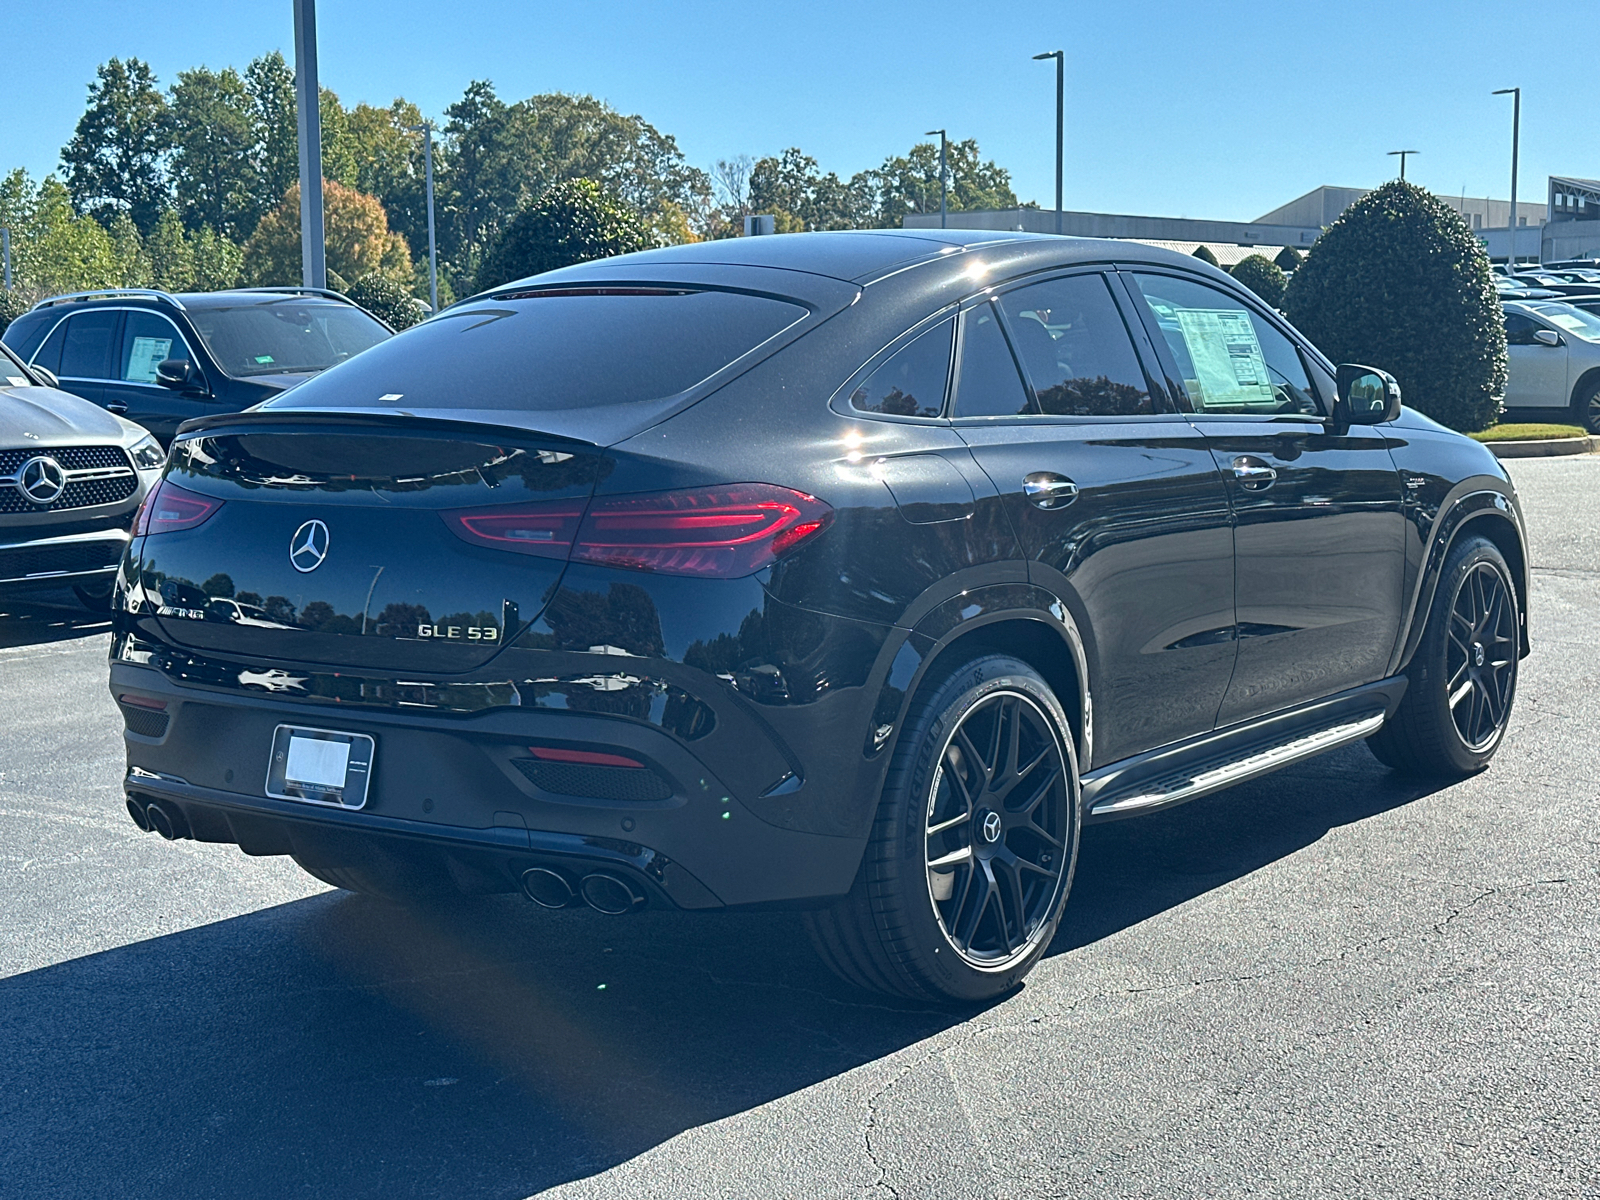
[1177,788]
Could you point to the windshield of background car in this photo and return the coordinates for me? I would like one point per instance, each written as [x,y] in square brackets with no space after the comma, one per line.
[575,348]
[1574,320]
[288,335]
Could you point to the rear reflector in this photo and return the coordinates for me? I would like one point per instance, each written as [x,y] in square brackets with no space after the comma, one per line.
[170,508]
[588,758]
[719,533]
[142,702]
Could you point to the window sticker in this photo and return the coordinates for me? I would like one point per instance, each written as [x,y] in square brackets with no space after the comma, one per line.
[16,381]
[263,358]
[147,352]
[1228,363]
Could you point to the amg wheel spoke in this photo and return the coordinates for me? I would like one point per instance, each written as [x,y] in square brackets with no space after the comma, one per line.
[1460,694]
[954,858]
[934,830]
[971,751]
[1040,792]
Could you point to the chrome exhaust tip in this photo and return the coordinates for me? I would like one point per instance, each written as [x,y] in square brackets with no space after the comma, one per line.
[546,888]
[610,895]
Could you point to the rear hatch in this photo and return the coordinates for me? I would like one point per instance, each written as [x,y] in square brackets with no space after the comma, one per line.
[375,542]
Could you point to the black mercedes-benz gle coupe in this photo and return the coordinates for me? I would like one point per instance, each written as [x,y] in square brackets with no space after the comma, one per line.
[850,572]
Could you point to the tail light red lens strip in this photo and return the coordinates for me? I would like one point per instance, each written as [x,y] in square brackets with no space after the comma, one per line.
[170,508]
[587,758]
[720,533]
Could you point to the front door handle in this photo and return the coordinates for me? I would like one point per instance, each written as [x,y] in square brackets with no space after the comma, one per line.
[1253,474]
[116,406]
[1046,489]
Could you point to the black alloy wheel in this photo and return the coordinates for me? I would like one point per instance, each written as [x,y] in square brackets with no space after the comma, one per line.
[996,829]
[972,854]
[1586,407]
[1462,680]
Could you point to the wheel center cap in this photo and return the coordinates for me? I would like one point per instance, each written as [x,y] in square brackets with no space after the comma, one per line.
[1477,654]
[990,826]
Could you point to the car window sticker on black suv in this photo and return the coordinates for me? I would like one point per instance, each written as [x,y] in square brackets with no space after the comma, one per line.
[1231,360]
[1075,349]
[86,352]
[148,339]
[910,382]
[989,384]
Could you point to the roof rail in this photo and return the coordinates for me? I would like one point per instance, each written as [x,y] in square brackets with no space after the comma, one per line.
[113,293]
[325,293]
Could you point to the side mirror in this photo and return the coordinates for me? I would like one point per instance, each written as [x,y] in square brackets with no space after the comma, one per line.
[1367,396]
[48,378]
[1547,337]
[178,374]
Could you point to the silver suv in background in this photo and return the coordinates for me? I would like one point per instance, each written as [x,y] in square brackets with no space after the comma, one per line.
[72,476]
[1555,359]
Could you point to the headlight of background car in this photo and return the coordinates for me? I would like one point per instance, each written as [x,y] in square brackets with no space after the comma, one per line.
[147,453]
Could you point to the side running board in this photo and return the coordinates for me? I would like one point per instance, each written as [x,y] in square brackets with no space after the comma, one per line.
[1220,760]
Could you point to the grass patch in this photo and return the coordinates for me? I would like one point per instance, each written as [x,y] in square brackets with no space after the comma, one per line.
[1531,432]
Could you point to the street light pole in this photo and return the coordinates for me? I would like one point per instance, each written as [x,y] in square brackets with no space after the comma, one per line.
[942,140]
[426,129]
[1516,132]
[1402,154]
[1061,90]
[308,97]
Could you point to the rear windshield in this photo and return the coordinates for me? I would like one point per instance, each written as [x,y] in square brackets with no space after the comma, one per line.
[576,348]
[288,335]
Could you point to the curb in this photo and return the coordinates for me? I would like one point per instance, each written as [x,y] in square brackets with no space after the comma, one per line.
[1545,448]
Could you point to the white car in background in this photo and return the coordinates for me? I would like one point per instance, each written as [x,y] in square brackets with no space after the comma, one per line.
[72,476]
[1555,359]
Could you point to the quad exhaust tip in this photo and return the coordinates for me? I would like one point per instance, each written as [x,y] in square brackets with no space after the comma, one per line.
[546,888]
[167,821]
[136,811]
[601,891]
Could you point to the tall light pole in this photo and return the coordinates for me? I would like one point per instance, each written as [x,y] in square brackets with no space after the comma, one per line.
[942,141]
[426,129]
[308,112]
[1516,131]
[1402,154]
[1061,92]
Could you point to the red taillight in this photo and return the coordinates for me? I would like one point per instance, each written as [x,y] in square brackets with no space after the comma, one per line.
[169,508]
[142,702]
[721,532]
[544,529]
[588,758]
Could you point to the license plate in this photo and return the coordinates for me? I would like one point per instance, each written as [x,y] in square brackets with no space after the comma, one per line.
[320,766]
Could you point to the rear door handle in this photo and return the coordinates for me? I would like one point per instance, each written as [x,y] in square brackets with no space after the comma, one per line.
[1046,489]
[117,407]
[1252,473]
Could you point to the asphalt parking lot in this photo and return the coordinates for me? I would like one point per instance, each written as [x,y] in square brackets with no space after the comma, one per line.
[1326,982]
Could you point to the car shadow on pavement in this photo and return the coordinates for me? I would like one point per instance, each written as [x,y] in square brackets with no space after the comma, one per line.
[336,1046]
[31,619]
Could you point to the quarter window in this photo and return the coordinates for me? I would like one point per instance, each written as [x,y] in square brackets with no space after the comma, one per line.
[1231,360]
[911,382]
[86,352]
[1076,350]
[989,385]
[147,339]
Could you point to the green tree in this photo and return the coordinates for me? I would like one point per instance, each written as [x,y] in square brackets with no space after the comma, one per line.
[794,190]
[1399,282]
[1289,259]
[339,159]
[116,160]
[386,299]
[171,255]
[134,268]
[1263,277]
[218,261]
[389,165]
[53,249]
[355,229]
[214,139]
[1203,253]
[275,146]
[572,222]
[910,183]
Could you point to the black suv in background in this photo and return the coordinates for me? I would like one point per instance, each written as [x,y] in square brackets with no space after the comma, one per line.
[160,359]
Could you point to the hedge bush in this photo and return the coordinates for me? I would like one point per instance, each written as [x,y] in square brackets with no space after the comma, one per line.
[1263,277]
[1400,282]
[387,300]
[1289,259]
[570,222]
[12,306]
[1203,253]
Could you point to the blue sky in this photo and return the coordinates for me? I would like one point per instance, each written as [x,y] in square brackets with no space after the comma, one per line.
[1184,109]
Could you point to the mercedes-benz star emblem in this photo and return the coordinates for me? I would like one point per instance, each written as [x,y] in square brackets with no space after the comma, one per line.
[308,547]
[42,480]
[991,826]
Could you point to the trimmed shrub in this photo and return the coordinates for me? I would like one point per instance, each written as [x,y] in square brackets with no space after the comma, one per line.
[1263,277]
[1400,282]
[571,222]
[1203,253]
[1289,259]
[12,306]
[387,300]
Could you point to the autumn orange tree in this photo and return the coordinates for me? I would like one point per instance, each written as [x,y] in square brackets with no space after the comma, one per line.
[359,240]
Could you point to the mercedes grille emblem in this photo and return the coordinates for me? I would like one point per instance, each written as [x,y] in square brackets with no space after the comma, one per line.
[991,827]
[42,480]
[308,547]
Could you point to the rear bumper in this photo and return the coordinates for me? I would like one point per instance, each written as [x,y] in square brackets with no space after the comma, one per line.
[465,789]
[70,558]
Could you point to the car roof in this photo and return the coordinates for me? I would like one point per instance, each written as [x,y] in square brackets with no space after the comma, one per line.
[185,301]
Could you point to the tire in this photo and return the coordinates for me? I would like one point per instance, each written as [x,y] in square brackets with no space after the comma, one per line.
[92,599]
[1586,406]
[976,739]
[1468,653]
[384,877]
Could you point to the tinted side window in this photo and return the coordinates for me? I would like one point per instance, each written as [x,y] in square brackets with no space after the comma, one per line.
[1231,360]
[910,383]
[988,385]
[86,354]
[49,356]
[147,338]
[1076,350]
[1519,329]
[25,333]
